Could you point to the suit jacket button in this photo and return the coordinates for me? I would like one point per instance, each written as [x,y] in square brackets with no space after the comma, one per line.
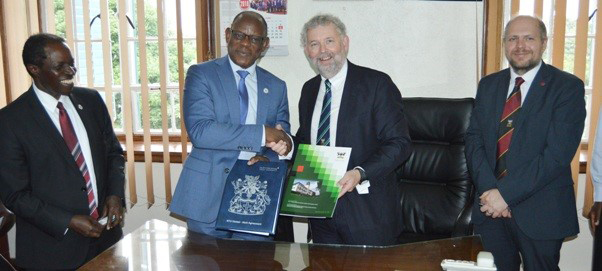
[227,170]
[83,189]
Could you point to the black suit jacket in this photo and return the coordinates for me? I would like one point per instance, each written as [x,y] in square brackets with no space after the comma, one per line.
[41,183]
[372,123]
[539,185]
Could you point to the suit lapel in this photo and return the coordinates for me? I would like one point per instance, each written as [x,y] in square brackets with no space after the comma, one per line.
[263,96]
[43,120]
[313,88]
[347,102]
[229,88]
[501,93]
[535,94]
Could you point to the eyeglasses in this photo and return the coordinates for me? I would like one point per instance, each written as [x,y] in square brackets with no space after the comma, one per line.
[240,36]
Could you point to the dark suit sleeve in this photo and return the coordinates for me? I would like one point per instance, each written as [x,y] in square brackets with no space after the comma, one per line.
[562,139]
[115,160]
[16,187]
[476,158]
[394,144]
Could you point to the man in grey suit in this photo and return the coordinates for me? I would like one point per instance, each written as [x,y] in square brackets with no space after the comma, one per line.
[233,109]
[524,131]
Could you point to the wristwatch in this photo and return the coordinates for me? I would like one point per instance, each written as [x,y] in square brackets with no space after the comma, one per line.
[363,176]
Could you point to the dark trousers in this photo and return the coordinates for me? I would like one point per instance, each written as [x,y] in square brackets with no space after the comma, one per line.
[597,257]
[333,230]
[508,244]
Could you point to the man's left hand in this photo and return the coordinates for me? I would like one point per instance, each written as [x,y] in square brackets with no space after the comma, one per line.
[493,204]
[113,211]
[349,181]
[257,158]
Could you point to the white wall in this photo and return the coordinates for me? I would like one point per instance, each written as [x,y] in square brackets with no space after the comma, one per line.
[429,48]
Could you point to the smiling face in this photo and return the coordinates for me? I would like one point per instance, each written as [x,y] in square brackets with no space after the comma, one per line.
[55,74]
[247,39]
[326,49]
[524,44]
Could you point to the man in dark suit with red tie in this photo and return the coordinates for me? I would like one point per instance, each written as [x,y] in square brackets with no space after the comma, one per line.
[62,166]
[524,131]
[346,105]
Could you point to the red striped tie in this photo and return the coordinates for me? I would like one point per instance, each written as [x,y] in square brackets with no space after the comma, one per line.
[76,150]
[506,127]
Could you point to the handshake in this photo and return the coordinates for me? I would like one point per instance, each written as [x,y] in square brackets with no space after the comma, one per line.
[277,140]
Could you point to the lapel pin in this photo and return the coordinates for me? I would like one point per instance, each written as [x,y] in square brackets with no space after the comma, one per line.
[265,90]
[80,107]
[542,83]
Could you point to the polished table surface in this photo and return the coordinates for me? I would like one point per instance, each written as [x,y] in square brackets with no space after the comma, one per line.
[158,245]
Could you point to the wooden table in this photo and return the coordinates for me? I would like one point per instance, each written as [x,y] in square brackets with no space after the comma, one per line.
[158,245]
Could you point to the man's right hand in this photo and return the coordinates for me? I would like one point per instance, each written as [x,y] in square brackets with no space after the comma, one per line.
[86,226]
[278,140]
[594,216]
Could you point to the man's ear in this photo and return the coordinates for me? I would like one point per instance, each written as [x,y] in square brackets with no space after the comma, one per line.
[33,70]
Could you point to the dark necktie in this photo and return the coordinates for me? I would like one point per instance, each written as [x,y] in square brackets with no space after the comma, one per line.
[73,144]
[324,125]
[244,96]
[506,127]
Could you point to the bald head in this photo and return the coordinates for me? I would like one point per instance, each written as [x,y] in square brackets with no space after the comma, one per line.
[245,15]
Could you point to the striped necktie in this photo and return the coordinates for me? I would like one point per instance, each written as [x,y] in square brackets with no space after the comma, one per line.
[76,151]
[324,126]
[244,96]
[506,127]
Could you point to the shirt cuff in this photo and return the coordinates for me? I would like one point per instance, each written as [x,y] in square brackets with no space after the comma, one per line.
[597,190]
[263,136]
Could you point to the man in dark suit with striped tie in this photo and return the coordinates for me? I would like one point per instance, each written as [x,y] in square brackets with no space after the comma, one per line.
[351,106]
[62,166]
[524,131]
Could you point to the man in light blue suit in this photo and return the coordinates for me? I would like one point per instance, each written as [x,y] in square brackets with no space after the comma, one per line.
[232,110]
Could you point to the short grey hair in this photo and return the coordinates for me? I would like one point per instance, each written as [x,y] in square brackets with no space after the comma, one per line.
[322,20]
[542,26]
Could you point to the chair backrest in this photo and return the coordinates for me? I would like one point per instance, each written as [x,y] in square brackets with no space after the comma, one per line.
[436,188]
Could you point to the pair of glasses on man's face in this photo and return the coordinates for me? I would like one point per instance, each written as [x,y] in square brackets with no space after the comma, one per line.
[240,36]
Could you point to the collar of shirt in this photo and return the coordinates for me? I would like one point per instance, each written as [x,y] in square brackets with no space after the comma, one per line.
[528,77]
[252,75]
[46,99]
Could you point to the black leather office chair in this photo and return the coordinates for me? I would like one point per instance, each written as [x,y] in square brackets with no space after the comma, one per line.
[437,192]
[8,220]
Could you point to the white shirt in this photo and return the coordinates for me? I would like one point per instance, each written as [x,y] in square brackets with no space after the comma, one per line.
[251,84]
[49,103]
[337,85]
[524,87]
[596,162]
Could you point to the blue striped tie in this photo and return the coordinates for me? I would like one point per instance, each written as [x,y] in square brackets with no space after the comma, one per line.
[244,96]
[324,126]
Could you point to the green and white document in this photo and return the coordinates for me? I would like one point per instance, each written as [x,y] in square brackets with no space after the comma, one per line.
[312,189]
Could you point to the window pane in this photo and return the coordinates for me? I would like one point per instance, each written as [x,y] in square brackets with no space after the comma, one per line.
[569,54]
[59,17]
[189,56]
[117,111]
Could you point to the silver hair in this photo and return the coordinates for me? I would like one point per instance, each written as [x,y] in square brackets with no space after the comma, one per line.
[542,26]
[322,20]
